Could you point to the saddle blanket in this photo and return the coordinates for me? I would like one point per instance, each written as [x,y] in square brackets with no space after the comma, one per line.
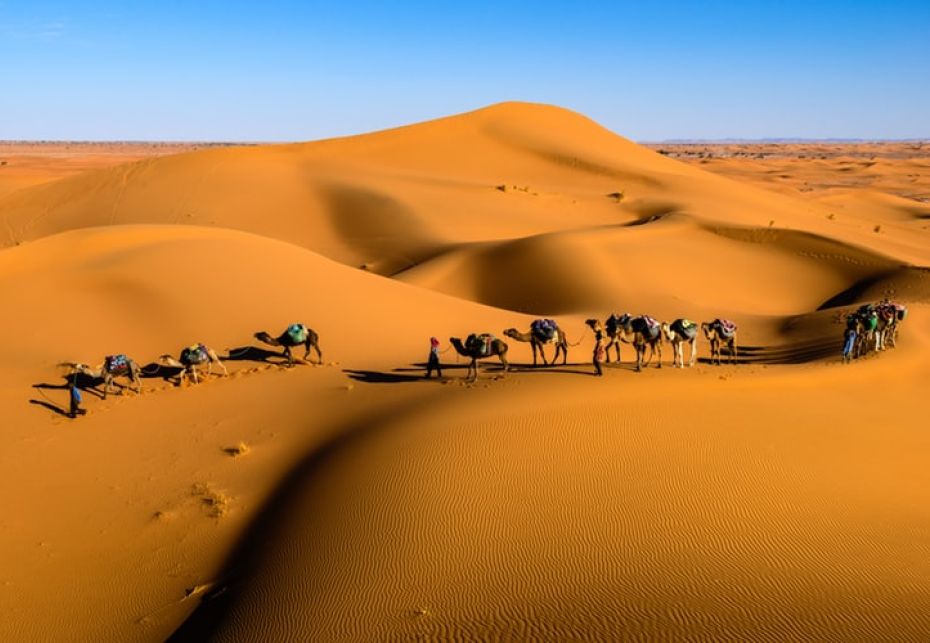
[297,333]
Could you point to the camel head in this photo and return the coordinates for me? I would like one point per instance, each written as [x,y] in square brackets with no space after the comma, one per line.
[594,324]
[708,329]
[512,333]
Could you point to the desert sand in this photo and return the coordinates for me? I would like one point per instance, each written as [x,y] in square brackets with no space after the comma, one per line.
[783,497]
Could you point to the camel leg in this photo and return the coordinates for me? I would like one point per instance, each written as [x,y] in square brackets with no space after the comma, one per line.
[693,351]
[289,356]
[216,358]
[319,353]
[733,351]
[659,363]
[193,375]
[504,362]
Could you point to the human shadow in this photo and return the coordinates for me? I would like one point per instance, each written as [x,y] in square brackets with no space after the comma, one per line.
[51,407]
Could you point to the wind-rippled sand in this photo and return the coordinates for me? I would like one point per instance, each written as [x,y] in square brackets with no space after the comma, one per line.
[783,497]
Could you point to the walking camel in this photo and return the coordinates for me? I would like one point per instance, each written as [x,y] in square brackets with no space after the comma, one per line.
[542,332]
[478,347]
[678,333]
[719,332]
[645,331]
[616,334]
[113,366]
[294,335]
[191,359]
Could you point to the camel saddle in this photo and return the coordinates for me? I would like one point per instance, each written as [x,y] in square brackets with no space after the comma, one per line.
[115,363]
[686,328]
[614,322]
[545,329]
[297,333]
[480,343]
[195,354]
[727,328]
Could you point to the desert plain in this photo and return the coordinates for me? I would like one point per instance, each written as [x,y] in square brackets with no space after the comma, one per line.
[785,496]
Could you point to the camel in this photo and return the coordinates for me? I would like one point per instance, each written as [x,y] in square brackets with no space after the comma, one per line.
[865,321]
[888,314]
[293,335]
[113,366]
[478,347]
[718,332]
[616,334]
[643,331]
[193,357]
[542,332]
[679,332]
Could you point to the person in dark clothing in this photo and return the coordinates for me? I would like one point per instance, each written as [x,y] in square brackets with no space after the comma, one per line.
[75,396]
[433,361]
[849,335]
[598,355]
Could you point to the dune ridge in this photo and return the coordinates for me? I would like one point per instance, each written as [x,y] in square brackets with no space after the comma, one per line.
[747,501]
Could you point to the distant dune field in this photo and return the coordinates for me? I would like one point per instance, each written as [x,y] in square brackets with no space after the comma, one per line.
[781,497]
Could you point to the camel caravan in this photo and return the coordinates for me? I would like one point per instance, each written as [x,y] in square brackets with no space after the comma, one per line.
[870,328]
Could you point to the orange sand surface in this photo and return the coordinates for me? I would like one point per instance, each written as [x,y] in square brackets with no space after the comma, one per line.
[783,497]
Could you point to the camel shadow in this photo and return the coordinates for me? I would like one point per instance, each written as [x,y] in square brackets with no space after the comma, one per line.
[85,383]
[155,370]
[252,354]
[799,353]
[384,377]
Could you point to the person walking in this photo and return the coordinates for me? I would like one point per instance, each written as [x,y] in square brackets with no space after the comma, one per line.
[598,356]
[433,361]
[849,335]
[75,398]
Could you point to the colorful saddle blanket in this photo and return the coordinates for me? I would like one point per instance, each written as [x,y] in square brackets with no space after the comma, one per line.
[614,322]
[116,363]
[545,329]
[298,333]
[195,354]
[726,327]
[685,327]
[480,343]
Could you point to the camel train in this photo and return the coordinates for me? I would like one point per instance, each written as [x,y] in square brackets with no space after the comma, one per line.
[871,327]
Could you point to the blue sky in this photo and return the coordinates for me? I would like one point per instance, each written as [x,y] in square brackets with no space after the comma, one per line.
[207,70]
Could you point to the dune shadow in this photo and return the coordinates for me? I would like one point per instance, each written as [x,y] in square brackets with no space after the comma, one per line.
[248,554]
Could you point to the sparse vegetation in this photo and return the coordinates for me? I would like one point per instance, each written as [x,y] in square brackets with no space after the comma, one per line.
[831,216]
[877,228]
[216,502]
[616,196]
[240,449]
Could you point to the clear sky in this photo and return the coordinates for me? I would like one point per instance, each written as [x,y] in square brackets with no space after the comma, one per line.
[283,71]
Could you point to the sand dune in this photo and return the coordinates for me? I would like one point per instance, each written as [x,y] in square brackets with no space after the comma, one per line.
[778,498]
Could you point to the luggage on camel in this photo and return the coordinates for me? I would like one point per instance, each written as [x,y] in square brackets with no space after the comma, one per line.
[115,363]
[727,328]
[195,354]
[545,329]
[297,333]
[479,343]
[685,327]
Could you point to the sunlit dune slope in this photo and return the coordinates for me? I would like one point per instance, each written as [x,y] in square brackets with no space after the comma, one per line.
[147,290]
